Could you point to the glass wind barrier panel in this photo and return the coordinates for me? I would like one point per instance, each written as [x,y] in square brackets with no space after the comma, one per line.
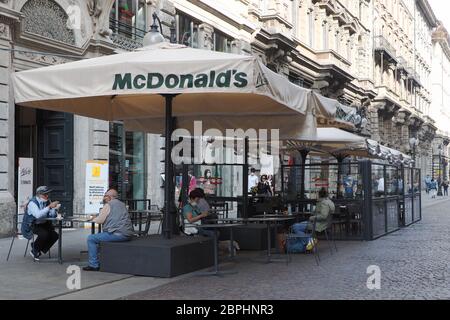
[408,203]
[378,201]
[394,191]
[417,213]
[344,185]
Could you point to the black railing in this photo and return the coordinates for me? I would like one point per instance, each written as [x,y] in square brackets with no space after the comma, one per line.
[365,210]
[125,35]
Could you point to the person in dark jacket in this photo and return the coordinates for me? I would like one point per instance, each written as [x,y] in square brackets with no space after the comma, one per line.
[116,224]
[34,221]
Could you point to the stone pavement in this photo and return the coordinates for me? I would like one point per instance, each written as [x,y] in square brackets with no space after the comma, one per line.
[413,263]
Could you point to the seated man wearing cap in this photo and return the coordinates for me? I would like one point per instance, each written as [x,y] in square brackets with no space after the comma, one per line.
[116,224]
[37,210]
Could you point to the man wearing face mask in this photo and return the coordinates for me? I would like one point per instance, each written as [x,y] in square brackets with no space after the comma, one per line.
[38,209]
[116,224]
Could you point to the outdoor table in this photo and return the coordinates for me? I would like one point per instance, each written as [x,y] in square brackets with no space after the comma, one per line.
[268,222]
[59,222]
[215,227]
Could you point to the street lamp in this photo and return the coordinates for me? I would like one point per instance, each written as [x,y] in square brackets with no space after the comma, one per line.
[413,143]
[153,36]
[440,172]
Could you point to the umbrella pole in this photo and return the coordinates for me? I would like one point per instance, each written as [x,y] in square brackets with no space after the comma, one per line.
[340,161]
[245,181]
[304,155]
[169,209]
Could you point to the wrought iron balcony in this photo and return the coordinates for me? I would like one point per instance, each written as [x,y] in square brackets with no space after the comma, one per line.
[402,64]
[414,76]
[383,45]
[125,36]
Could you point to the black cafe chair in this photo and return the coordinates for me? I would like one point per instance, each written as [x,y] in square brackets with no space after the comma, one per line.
[16,234]
[293,236]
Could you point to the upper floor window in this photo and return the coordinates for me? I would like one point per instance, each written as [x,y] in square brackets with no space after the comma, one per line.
[128,17]
[187,30]
[222,43]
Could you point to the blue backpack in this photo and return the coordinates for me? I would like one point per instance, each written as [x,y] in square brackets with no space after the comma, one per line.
[297,245]
[28,220]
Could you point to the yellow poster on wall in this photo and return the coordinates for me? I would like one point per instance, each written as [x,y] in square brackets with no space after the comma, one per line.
[97,173]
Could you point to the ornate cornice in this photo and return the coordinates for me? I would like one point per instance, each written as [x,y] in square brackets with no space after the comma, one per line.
[429,15]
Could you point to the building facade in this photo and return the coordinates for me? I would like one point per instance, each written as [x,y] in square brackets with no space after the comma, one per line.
[440,107]
[376,57]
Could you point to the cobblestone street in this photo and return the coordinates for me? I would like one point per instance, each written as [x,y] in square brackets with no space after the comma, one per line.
[413,262]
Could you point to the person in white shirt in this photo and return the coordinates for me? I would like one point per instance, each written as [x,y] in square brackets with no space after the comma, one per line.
[252,180]
[380,187]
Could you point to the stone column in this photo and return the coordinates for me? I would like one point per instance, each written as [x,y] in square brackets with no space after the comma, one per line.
[205,36]
[7,116]
[91,142]
[374,123]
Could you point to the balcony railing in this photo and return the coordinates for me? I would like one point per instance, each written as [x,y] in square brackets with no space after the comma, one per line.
[382,44]
[413,75]
[126,36]
[401,63]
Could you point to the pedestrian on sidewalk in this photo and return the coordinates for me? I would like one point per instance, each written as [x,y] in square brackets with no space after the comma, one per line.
[433,188]
[445,186]
[427,184]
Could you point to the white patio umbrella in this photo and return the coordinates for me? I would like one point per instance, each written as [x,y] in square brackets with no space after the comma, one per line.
[222,90]
[149,87]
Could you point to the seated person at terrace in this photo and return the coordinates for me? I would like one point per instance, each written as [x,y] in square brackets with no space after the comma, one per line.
[117,227]
[324,208]
[34,221]
[193,215]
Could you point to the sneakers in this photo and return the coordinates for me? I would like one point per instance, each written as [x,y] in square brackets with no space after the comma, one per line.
[89,268]
[311,244]
[35,255]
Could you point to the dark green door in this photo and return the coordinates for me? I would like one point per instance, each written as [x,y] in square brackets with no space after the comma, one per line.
[55,156]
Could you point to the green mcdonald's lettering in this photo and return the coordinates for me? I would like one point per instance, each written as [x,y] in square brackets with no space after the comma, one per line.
[212,77]
[224,79]
[241,80]
[122,81]
[139,81]
[156,80]
[159,78]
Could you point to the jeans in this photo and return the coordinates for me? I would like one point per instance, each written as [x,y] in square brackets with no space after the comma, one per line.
[207,233]
[94,239]
[300,228]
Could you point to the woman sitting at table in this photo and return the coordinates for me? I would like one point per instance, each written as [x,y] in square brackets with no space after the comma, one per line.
[193,214]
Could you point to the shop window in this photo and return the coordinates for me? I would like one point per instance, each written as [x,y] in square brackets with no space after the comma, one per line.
[127,162]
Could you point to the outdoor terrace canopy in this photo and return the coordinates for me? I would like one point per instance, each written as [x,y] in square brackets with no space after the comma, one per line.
[338,142]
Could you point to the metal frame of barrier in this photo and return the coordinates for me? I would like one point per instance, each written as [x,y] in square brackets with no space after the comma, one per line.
[374,210]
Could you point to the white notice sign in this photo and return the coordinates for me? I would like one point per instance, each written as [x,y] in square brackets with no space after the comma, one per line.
[25,184]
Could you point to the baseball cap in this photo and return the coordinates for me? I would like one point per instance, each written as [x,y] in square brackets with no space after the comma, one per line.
[43,190]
